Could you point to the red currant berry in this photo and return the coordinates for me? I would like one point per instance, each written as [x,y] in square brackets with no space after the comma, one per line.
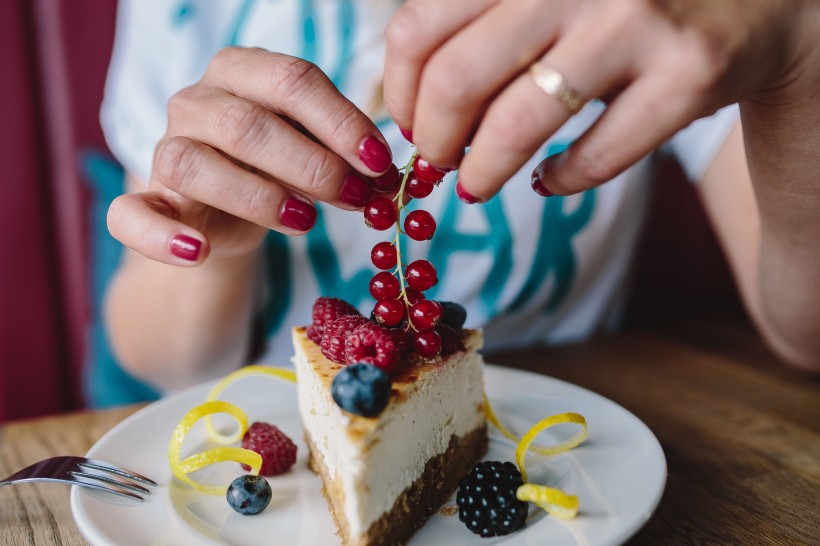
[418,188]
[427,344]
[425,171]
[389,312]
[384,255]
[380,213]
[384,285]
[389,181]
[419,225]
[413,295]
[421,275]
[425,314]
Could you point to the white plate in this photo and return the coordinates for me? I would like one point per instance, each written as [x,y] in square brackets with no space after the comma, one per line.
[619,474]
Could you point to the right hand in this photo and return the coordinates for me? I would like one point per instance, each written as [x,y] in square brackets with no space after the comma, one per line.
[249,148]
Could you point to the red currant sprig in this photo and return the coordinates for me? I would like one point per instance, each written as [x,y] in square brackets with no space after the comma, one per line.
[399,293]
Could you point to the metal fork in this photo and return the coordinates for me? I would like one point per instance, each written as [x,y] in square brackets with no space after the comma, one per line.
[75,471]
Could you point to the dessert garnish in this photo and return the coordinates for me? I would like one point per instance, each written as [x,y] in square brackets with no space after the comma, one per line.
[361,389]
[249,494]
[487,502]
[277,450]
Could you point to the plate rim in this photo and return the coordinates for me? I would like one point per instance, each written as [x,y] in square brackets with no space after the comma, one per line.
[95,536]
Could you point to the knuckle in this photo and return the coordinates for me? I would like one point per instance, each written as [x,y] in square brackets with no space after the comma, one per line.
[225,57]
[321,175]
[448,82]
[176,162]
[346,123]
[404,29]
[291,77]
[241,126]
[181,102]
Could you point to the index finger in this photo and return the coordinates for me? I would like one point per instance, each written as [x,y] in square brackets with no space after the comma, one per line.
[301,91]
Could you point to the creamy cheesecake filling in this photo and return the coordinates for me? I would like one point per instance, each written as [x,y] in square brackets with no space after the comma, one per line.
[390,451]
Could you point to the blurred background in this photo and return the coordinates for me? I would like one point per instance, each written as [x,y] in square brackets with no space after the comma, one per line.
[57,179]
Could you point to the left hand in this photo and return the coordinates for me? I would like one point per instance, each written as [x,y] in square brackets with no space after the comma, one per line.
[456,74]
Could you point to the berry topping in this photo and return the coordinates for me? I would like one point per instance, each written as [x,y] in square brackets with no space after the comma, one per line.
[384,285]
[421,275]
[384,255]
[451,341]
[380,213]
[335,334]
[389,181]
[425,314]
[249,494]
[453,314]
[486,499]
[420,225]
[427,343]
[361,389]
[413,295]
[418,188]
[325,311]
[425,171]
[277,450]
[389,312]
[377,345]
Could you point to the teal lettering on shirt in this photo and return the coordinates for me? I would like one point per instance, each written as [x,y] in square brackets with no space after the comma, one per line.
[554,253]
[277,264]
[496,241]
[325,264]
[309,37]
[239,21]
[184,11]
[347,27]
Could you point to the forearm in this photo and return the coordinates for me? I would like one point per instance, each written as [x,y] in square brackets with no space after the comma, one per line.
[783,149]
[173,326]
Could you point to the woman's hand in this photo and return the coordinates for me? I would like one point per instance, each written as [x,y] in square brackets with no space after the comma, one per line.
[457,74]
[249,148]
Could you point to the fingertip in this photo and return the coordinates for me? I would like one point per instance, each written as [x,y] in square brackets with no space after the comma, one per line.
[375,154]
[186,248]
[466,196]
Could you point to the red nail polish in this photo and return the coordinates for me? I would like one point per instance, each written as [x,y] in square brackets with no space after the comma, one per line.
[539,187]
[408,135]
[297,214]
[185,247]
[374,154]
[465,196]
[355,191]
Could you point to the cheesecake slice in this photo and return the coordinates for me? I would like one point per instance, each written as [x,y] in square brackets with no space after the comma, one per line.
[384,476]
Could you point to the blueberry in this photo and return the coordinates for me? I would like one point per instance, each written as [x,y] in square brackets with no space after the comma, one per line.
[249,494]
[453,314]
[362,389]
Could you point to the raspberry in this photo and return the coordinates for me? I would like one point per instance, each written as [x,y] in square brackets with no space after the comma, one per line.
[486,499]
[335,334]
[377,345]
[325,311]
[277,450]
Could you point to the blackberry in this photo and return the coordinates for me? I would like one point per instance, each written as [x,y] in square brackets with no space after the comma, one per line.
[486,499]
[361,389]
[453,314]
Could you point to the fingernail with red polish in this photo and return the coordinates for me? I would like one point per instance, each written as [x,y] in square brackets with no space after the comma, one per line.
[465,196]
[185,247]
[408,135]
[539,187]
[297,214]
[374,154]
[355,191]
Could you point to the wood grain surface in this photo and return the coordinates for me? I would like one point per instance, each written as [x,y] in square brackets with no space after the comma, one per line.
[741,435]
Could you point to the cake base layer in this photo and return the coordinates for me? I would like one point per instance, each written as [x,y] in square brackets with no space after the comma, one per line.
[417,502]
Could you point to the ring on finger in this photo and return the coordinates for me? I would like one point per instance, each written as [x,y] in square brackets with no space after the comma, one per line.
[553,83]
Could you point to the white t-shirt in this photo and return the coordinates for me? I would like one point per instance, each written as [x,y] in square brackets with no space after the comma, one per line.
[528,269]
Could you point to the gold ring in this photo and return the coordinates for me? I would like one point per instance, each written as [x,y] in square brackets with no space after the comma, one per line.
[552,82]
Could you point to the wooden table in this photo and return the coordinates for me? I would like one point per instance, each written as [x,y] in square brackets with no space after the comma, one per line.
[741,435]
